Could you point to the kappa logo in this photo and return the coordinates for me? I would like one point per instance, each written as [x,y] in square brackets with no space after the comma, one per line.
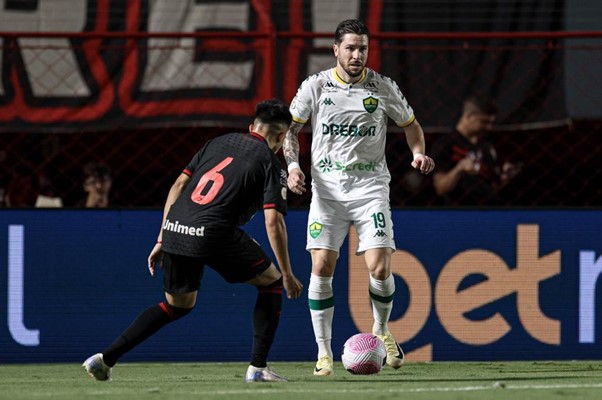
[380,233]
[370,104]
[327,102]
[372,86]
[315,229]
[325,165]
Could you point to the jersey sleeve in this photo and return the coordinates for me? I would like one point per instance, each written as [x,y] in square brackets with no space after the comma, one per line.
[302,105]
[275,188]
[397,106]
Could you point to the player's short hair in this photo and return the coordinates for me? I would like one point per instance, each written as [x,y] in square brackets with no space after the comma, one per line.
[479,104]
[273,111]
[350,26]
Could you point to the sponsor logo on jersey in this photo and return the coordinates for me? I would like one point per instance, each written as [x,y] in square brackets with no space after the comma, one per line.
[370,104]
[183,229]
[348,130]
[371,86]
[327,102]
[315,229]
[359,166]
[325,165]
[380,233]
[283,177]
[329,86]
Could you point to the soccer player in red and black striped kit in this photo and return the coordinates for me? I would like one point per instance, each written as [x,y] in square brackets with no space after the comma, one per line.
[221,188]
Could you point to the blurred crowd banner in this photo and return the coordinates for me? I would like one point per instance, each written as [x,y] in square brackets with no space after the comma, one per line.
[70,65]
[141,85]
[470,285]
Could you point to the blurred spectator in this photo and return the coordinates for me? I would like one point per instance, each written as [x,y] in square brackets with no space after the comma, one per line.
[468,170]
[97,184]
[21,190]
[47,193]
[4,179]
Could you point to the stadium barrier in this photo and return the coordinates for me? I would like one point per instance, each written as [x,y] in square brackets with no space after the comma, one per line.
[471,285]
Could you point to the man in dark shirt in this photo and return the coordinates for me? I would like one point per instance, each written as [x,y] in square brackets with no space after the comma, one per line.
[468,170]
[221,188]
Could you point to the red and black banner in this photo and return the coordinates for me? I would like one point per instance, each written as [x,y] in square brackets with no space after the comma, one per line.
[73,65]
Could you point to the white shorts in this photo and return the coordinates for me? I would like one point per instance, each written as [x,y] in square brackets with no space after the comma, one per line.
[329,221]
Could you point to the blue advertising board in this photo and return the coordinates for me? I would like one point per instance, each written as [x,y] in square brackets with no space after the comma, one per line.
[471,285]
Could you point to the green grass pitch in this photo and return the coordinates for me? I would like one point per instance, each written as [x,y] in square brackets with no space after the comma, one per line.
[182,381]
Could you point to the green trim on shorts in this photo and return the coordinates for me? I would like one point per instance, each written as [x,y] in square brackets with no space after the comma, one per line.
[382,299]
[320,304]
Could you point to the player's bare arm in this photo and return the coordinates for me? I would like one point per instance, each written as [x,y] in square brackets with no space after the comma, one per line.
[277,235]
[416,143]
[176,190]
[445,182]
[290,148]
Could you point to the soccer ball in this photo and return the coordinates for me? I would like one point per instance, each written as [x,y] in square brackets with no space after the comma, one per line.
[364,354]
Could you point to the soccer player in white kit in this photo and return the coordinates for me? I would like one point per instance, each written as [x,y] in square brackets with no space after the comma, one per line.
[349,106]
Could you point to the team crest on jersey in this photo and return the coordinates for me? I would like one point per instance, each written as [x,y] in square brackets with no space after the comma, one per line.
[370,104]
[315,229]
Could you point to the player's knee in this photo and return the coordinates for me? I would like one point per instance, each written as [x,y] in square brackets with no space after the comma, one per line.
[268,276]
[380,273]
[274,287]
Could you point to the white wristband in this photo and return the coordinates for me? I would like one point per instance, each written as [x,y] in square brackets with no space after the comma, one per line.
[293,165]
[418,155]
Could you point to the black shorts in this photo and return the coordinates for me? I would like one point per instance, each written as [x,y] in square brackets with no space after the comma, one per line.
[236,257]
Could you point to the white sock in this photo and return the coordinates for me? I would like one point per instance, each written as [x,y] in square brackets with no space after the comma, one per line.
[381,296]
[321,306]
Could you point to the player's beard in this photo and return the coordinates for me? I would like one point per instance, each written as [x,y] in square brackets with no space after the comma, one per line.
[347,69]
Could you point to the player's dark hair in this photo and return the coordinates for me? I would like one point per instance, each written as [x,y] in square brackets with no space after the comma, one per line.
[349,26]
[273,111]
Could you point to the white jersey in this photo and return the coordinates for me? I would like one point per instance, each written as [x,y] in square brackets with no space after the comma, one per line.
[349,126]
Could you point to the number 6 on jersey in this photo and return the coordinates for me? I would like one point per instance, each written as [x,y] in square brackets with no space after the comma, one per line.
[213,175]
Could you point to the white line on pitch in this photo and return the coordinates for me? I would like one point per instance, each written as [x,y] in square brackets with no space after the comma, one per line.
[412,390]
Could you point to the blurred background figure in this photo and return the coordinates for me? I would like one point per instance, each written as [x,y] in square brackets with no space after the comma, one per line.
[21,189]
[48,196]
[97,184]
[468,170]
[4,179]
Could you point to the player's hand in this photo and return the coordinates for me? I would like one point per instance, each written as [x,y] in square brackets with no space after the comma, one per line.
[423,163]
[296,181]
[292,286]
[154,257]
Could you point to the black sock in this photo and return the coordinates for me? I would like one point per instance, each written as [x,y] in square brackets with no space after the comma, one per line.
[265,321]
[144,326]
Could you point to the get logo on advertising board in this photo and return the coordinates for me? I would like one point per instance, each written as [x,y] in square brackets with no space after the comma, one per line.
[452,301]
